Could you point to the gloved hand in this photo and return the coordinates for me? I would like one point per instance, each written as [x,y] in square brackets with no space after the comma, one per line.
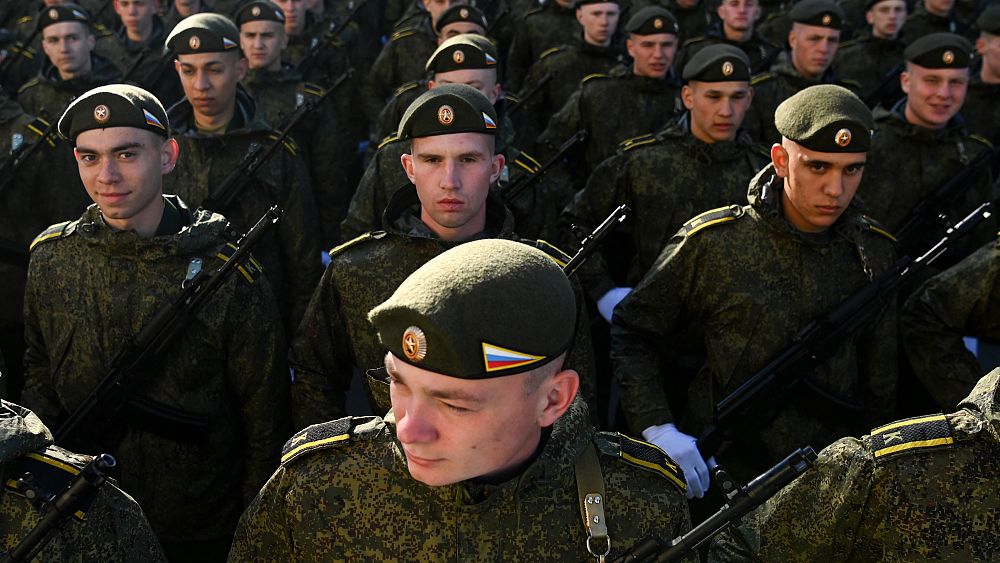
[684,450]
[607,303]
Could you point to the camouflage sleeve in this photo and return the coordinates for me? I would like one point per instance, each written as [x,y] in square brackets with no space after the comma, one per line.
[560,127]
[964,300]
[878,360]
[39,393]
[378,85]
[298,236]
[518,59]
[365,211]
[329,160]
[821,516]
[263,534]
[132,533]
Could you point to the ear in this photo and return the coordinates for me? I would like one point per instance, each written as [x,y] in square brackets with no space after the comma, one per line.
[904,81]
[498,161]
[169,153]
[117,8]
[718,10]
[687,96]
[242,68]
[630,47]
[494,94]
[980,45]
[870,17]
[407,161]
[431,84]
[177,66]
[579,16]
[791,37]
[560,390]
[779,157]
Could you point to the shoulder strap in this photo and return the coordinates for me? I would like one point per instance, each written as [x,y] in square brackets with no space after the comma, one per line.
[590,490]
[911,435]
[59,230]
[712,217]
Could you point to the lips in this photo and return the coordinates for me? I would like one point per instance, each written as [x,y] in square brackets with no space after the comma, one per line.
[450,204]
[827,209]
[420,461]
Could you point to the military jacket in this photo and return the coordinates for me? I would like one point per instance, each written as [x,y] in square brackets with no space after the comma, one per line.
[145,64]
[921,23]
[113,527]
[760,51]
[49,94]
[91,289]
[319,505]
[921,489]
[691,21]
[874,64]
[746,282]
[327,62]
[290,251]
[335,335]
[963,300]
[401,60]
[982,109]
[541,29]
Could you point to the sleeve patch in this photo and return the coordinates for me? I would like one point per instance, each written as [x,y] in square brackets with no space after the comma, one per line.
[313,89]
[649,457]
[982,140]
[52,472]
[354,241]
[59,230]
[249,268]
[315,437]
[911,435]
[711,218]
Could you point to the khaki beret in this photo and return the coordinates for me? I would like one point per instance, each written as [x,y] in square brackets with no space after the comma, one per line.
[940,50]
[483,309]
[826,118]
[448,109]
[461,13]
[115,105]
[652,20]
[260,10]
[580,3]
[62,13]
[822,13]
[204,33]
[464,51]
[718,63]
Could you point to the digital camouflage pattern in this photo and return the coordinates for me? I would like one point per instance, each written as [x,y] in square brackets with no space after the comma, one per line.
[869,61]
[114,529]
[920,22]
[760,51]
[318,505]
[401,60]
[545,27]
[335,336]
[49,94]
[923,502]
[146,64]
[744,287]
[666,179]
[961,301]
[290,251]
[90,291]
[330,62]
[982,109]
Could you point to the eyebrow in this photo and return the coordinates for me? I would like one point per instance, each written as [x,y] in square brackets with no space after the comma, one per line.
[448,394]
[211,63]
[119,148]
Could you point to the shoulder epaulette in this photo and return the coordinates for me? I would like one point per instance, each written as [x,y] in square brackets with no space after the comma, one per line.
[38,126]
[52,470]
[288,143]
[59,230]
[353,242]
[762,77]
[401,33]
[849,43]
[101,30]
[29,84]
[711,218]
[641,454]
[335,433]
[392,137]
[527,162]
[549,52]
[692,41]
[982,140]
[24,20]
[912,435]
[405,88]
[537,10]
[249,268]
[313,89]
[512,98]
[874,226]
[638,141]
[590,77]
[850,82]
[554,252]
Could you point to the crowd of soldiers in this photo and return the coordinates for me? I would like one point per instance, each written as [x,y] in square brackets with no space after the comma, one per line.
[432,167]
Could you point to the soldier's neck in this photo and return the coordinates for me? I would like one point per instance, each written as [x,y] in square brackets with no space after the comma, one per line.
[214,124]
[140,35]
[988,75]
[145,223]
[736,35]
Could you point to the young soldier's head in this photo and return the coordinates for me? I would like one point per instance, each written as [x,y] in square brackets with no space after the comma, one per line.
[940,8]
[137,17]
[295,16]
[476,373]
[123,149]
[599,20]
[988,44]
[262,34]
[460,19]
[437,8]
[886,17]
[936,79]
[185,8]
[717,92]
[825,137]
[210,65]
[815,36]
[467,59]
[452,159]
[738,18]
[652,41]
[67,39]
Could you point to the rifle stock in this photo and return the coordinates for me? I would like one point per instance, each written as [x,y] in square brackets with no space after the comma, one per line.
[589,244]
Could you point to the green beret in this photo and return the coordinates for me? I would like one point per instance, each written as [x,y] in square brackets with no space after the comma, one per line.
[115,105]
[464,51]
[447,109]
[939,50]
[62,13]
[718,63]
[204,33]
[989,20]
[483,309]
[652,20]
[823,13]
[461,13]
[870,3]
[260,10]
[579,3]
[826,118]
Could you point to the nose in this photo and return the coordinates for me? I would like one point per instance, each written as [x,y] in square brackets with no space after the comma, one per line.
[450,179]
[108,173]
[200,81]
[413,426]
[834,187]
[726,108]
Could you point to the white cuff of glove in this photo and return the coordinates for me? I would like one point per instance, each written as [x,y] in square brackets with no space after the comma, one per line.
[607,303]
[683,449]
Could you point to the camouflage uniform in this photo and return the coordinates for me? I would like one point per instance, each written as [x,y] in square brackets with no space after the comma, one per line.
[330,62]
[102,12]
[868,61]
[335,335]
[692,21]
[290,252]
[921,22]
[532,517]
[767,282]
[401,60]
[29,54]
[49,94]
[982,108]
[90,290]
[114,530]
[145,64]
[544,28]
[921,489]
[760,51]
[963,300]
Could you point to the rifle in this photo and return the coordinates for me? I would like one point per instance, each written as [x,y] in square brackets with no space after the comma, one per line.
[22,154]
[115,392]
[871,99]
[58,508]
[822,337]
[546,78]
[310,59]
[589,243]
[740,502]
[515,189]
[258,155]
[17,51]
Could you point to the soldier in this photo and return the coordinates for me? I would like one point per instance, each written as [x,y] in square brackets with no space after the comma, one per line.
[217,124]
[305,31]
[692,15]
[962,300]
[93,283]
[932,16]
[982,101]
[72,67]
[111,528]
[813,43]
[550,25]
[920,489]
[874,60]
[452,163]
[486,434]
[794,253]
[180,9]
[737,27]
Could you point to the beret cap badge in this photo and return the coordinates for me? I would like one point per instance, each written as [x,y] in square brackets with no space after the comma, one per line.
[948,57]
[414,344]
[658,23]
[102,114]
[727,68]
[464,13]
[446,115]
[255,11]
[53,14]
[194,42]
[843,137]
[458,56]
[827,19]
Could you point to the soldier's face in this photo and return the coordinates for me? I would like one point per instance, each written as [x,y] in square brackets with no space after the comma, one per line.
[459,28]
[187,7]
[262,43]
[813,48]
[438,7]
[599,22]
[482,79]
[68,46]
[137,14]
[988,46]
[934,95]
[739,15]
[455,429]
[818,185]
[453,175]
[295,15]
[717,108]
[210,80]
[122,169]
[652,55]
[939,7]
[886,18]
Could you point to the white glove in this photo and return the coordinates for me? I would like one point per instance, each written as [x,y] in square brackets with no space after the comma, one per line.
[684,450]
[607,303]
